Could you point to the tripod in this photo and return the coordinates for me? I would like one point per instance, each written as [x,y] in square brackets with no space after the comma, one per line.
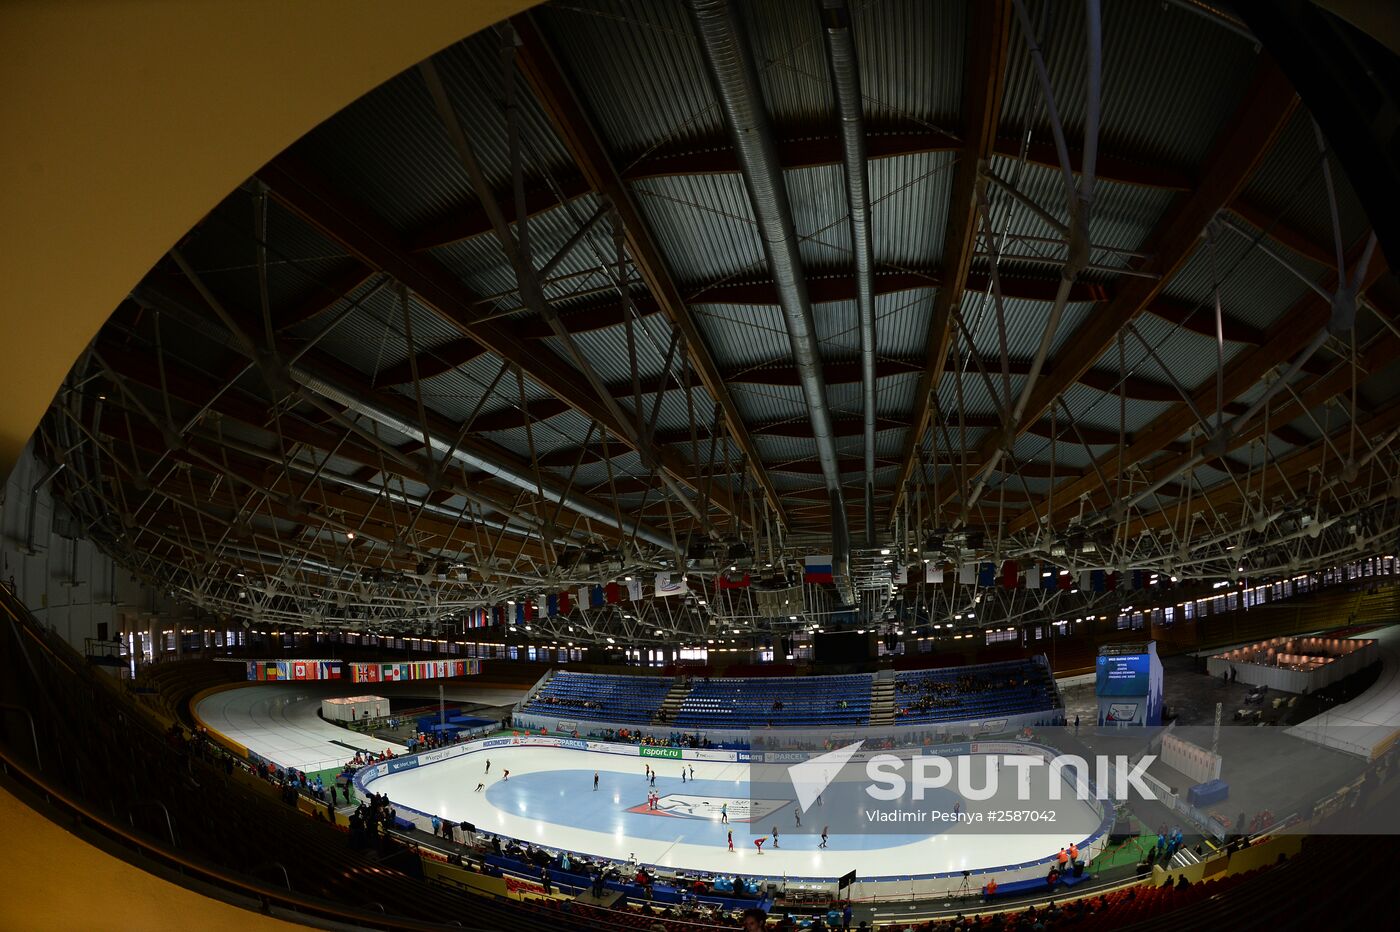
[964,891]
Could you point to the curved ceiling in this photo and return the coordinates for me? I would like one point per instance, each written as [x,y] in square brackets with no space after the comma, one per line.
[532,313]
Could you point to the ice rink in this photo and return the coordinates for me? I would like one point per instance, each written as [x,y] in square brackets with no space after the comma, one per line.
[279,721]
[549,799]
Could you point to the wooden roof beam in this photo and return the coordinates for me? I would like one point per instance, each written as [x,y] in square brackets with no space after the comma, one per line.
[988,35]
[556,95]
[1237,151]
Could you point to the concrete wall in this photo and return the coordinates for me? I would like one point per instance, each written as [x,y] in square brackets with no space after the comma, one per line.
[67,583]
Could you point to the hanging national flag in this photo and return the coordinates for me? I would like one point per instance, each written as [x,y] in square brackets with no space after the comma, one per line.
[967,574]
[583,597]
[1063,580]
[1098,581]
[565,602]
[1049,576]
[817,570]
[1110,582]
[551,605]
[390,673]
[986,574]
[1010,574]
[613,593]
[900,575]
[542,606]
[933,573]
[634,588]
[1085,578]
[666,585]
[595,596]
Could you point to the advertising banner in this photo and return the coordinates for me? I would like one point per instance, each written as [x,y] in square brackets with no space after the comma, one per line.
[671,753]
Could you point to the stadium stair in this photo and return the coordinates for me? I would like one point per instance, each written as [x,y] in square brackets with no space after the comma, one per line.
[671,703]
[882,699]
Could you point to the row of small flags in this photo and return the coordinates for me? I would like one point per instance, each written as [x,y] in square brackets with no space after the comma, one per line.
[1012,574]
[816,570]
[553,604]
[360,672]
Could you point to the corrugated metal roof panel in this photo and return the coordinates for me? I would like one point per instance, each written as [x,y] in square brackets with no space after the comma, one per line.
[978,398]
[1289,185]
[777,448]
[743,335]
[909,206]
[390,149]
[894,396]
[1192,355]
[367,340]
[1123,216]
[787,45]
[818,199]
[480,263]
[1069,452]
[606,350]
[902,321]
[308,329]
[223,251]
[1170,78]
[1093,408]
[704,225]
[1025,327]
[639,70]
[765,403]
[1254,287]
[838,329]
[911,55]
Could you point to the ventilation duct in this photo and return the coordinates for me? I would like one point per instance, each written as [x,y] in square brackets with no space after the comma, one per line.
[736,84]
[845,82]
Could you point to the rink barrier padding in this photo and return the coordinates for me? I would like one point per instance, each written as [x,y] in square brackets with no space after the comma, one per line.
[901,886]
[227,743]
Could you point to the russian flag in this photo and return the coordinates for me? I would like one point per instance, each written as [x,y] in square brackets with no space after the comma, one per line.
[817,570]
[551,603]
[986,574]
[595,596]
[565,602]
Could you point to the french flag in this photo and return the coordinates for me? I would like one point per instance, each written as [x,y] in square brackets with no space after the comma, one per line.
[816,570]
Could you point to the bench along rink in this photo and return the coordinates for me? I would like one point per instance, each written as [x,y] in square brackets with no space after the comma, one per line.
[549,800]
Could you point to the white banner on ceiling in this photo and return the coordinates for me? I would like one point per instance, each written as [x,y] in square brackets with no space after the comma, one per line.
[668,584]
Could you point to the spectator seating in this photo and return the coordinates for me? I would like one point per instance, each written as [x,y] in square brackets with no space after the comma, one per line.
[958,693]
[781,701]
[600,697]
